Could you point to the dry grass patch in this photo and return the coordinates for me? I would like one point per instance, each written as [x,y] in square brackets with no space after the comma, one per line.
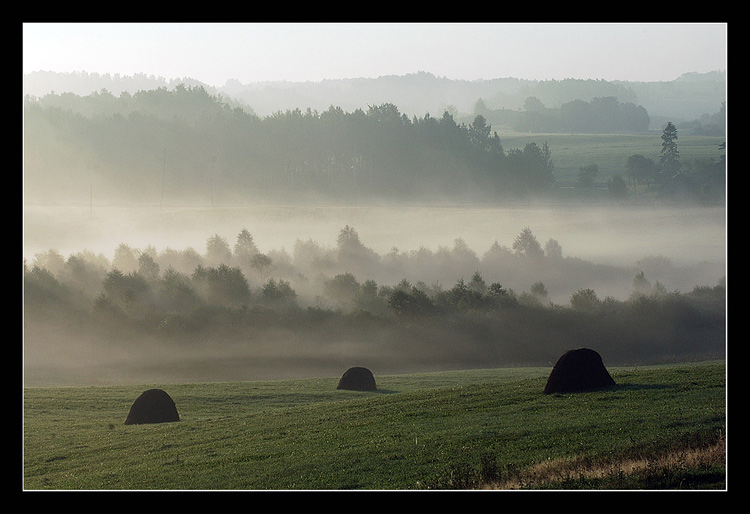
[561,471]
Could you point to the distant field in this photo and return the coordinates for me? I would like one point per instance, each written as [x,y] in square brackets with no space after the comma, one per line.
[609,152]
[436,430]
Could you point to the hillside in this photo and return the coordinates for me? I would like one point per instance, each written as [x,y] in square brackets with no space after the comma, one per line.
[684,99]
[188,144]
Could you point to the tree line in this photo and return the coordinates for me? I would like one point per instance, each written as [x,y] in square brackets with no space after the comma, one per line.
[143,140]
[236,294]
[604,115]
[186,144]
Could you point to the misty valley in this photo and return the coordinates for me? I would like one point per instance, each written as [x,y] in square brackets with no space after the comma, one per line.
[374,257]
[178,236]
[229,311]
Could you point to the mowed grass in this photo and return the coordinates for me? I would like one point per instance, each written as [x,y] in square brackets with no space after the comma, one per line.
[416,432]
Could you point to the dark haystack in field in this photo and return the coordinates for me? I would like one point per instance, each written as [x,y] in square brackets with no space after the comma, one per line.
[153,406]
[357,379]
[578,370]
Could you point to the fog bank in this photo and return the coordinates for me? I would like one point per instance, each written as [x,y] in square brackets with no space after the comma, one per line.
[605,234]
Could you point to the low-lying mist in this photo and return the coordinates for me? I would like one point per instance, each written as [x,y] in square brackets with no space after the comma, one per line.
[603,234]
[310,247]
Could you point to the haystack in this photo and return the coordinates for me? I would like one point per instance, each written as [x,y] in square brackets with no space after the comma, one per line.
[357,379]
[153,406]
[578,370]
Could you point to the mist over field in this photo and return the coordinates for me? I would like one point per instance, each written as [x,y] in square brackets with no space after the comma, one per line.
[175,235]
[691,238]
[600,248]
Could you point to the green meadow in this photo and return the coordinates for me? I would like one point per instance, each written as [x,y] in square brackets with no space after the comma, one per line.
[610,152]
[473,429]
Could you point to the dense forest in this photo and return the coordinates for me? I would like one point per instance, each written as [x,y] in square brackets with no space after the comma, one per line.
[131,139]
[191,144]
[326,304]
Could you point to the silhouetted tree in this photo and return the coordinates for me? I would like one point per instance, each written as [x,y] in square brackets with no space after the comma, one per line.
[670,156]
[222,285]
[244,248]
[342,289]
[86,271]
[412,303]
[369,299]
[477,283]
[584,300]
[278,294]
[218,251]
[130,292]
[148,267]
[41,290]
[176,295]
[261,263]
[351,252]
[527,245]
[500,295]
[51,261]
[553,250]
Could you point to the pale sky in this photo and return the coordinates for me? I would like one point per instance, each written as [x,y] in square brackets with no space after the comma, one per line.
[248,52]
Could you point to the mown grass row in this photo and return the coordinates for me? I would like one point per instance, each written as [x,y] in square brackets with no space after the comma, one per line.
[438,430]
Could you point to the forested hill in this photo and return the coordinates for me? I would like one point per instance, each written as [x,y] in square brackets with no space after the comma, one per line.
[686,98]
[182,141]
[187,143]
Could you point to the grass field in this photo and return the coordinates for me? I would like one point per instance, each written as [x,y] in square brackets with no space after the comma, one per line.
[610,152]
[447,430]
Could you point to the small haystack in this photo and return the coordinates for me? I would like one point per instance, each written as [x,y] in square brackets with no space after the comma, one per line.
[578,370]
[153,406]
[357,379]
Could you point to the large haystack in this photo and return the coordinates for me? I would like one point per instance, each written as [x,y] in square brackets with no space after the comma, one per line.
[357,379]
[578,370]
[153,406]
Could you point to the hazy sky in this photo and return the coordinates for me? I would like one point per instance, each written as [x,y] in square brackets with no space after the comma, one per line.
[214,53]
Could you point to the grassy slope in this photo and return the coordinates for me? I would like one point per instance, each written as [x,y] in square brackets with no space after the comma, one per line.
[305,434]
[609,152]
